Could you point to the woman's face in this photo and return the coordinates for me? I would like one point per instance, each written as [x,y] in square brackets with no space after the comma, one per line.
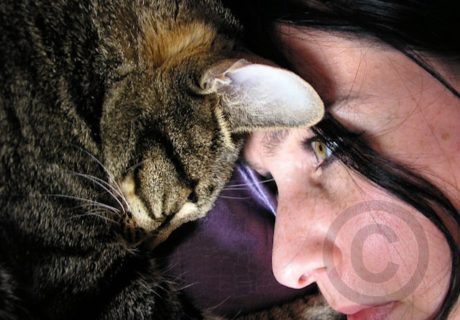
[372,256]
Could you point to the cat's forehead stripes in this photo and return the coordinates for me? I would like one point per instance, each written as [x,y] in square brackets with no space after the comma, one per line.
[162,42]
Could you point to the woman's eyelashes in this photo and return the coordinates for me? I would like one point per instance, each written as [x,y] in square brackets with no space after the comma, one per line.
[322,151]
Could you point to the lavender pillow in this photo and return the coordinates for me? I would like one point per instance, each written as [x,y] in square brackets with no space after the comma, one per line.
[223,261]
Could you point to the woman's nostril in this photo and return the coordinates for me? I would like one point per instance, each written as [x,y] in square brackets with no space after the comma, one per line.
[303,281]
[291,276]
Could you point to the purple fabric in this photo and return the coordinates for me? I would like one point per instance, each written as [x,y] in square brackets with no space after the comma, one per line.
[223,261]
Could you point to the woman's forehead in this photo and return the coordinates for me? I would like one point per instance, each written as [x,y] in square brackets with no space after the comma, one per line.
[340,65]
[358,79]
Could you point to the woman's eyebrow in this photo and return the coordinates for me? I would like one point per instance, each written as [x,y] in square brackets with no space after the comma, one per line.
[349,99]
[272,139]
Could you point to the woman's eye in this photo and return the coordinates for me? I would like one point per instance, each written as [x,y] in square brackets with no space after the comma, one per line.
[321,151]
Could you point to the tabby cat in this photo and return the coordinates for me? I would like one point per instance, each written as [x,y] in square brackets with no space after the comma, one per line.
[119,121]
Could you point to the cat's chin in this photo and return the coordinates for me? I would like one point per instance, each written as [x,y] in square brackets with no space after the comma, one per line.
[188,210]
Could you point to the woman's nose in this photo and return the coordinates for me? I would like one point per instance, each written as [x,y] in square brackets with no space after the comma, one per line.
[301,249]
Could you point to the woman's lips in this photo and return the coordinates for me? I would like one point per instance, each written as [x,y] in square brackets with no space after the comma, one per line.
[378,312]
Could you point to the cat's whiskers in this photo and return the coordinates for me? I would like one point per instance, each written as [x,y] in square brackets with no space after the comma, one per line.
[106,170]
[236,316]
[136,165]
[188,285]
[98,209]
[104,185]
[149,288]
[174,284]
[122,197]
[233,198]
[88,201]
[101,212]
[95,214]
[143,282]
[178,278]
[210,309]
[96,179]
[242,186]
[112,184]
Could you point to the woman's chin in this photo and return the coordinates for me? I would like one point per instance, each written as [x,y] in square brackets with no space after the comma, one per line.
[390,311]
[378,312]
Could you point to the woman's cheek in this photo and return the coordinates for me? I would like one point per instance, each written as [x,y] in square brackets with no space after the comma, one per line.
[389,252]
[378,253]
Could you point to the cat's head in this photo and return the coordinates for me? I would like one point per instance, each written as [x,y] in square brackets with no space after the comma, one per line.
[171,136]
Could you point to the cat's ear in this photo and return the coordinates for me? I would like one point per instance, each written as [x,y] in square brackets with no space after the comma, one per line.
[257,95]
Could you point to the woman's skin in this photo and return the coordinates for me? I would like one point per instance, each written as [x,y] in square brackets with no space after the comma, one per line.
[372,256]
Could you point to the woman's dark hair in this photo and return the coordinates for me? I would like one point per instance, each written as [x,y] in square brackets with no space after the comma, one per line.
[416,28]
[411,26]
